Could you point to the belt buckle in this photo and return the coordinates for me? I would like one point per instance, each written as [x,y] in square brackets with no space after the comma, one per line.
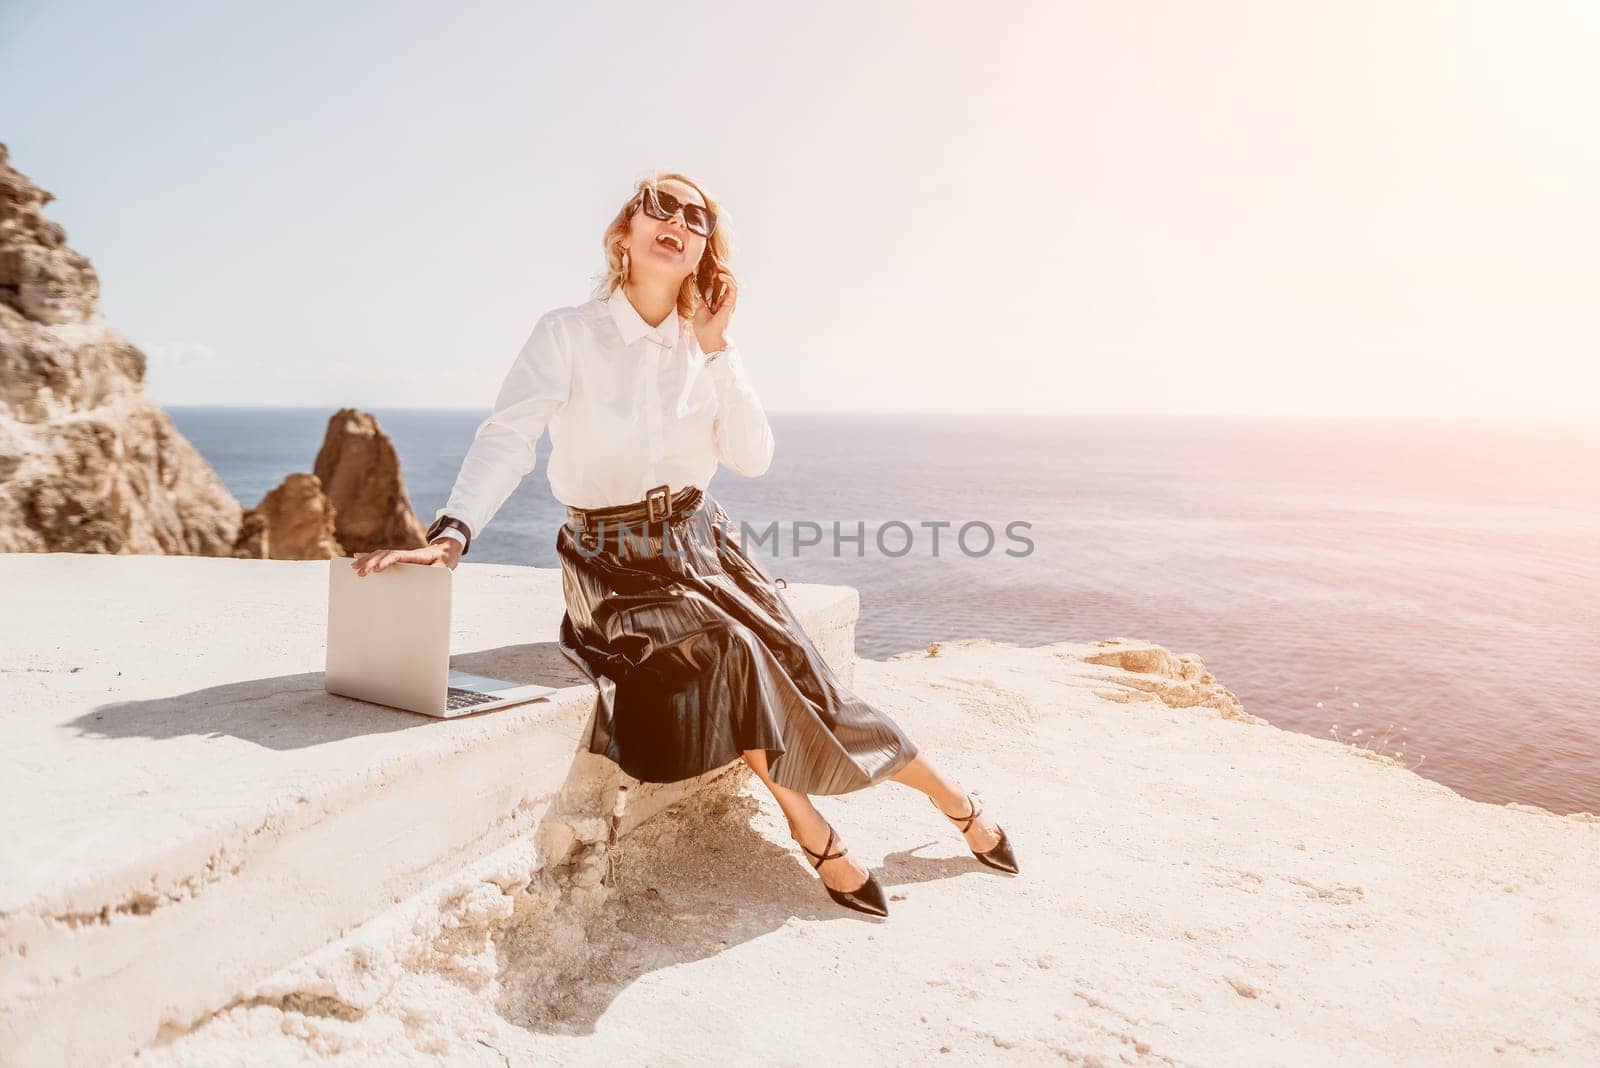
[579,521]
[660,493]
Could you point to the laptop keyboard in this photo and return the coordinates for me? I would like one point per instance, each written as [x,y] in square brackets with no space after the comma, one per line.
[458,697]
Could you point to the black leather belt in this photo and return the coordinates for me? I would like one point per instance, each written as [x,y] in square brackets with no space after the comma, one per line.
[659,505]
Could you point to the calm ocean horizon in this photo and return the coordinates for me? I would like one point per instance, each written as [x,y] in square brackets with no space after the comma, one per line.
[1433,580]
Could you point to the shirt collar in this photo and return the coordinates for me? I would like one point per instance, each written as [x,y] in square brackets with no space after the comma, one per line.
[632,325]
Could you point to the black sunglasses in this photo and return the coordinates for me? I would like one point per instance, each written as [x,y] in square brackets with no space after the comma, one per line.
[661,205]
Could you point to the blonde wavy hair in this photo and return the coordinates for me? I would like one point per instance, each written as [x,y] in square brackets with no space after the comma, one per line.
[716,256]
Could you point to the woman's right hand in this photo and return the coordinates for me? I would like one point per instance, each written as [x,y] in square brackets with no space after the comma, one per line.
[441,552]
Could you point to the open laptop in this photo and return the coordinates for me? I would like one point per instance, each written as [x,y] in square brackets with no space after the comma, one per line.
[389,643]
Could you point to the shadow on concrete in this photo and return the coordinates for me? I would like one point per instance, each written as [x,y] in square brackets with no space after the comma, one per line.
[288,712]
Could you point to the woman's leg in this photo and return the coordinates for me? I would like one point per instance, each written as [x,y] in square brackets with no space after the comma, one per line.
[920,773]
[809,828]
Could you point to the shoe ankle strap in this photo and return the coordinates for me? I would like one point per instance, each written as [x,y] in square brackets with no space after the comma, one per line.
[965,821]
[825,856]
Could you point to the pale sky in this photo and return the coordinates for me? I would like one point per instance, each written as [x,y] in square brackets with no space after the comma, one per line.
[1375,208]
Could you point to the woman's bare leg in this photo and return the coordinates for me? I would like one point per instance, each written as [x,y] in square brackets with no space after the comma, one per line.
[982,833]
[809,827]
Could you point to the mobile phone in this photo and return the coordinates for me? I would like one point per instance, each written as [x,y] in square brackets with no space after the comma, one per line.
[712,287]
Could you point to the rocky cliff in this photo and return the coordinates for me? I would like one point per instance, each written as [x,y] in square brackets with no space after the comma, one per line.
[90,463]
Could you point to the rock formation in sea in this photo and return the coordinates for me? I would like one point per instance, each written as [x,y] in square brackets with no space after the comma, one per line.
[90,463]
[360,471]
[294,521]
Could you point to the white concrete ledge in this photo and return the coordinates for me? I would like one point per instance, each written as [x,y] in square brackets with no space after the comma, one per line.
[187,810]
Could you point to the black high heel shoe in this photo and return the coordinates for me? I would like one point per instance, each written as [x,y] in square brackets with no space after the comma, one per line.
[999,856]
[868,897]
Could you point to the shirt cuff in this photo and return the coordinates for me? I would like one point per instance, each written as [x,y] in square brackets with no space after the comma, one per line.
[451,531]
[728,367]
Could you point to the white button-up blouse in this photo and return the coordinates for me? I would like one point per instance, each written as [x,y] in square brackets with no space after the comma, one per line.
[629,406]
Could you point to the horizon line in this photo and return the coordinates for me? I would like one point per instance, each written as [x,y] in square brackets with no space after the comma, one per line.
[1560,421]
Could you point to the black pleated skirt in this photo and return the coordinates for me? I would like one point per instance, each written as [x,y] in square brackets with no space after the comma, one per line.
[696,657]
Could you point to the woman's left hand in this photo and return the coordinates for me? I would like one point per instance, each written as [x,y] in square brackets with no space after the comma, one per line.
[712,329]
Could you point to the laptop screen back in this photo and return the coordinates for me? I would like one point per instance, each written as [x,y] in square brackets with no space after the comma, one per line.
[389,634]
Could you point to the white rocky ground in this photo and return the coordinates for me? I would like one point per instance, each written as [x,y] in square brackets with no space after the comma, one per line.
[1197,887]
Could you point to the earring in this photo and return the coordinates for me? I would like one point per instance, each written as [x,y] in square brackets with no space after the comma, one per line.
[624,261]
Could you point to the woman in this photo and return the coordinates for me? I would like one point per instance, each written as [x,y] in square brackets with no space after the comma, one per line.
[696,658]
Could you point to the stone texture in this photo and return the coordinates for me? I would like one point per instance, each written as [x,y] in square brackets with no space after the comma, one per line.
[88,462]
[360,472]
[294,521]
